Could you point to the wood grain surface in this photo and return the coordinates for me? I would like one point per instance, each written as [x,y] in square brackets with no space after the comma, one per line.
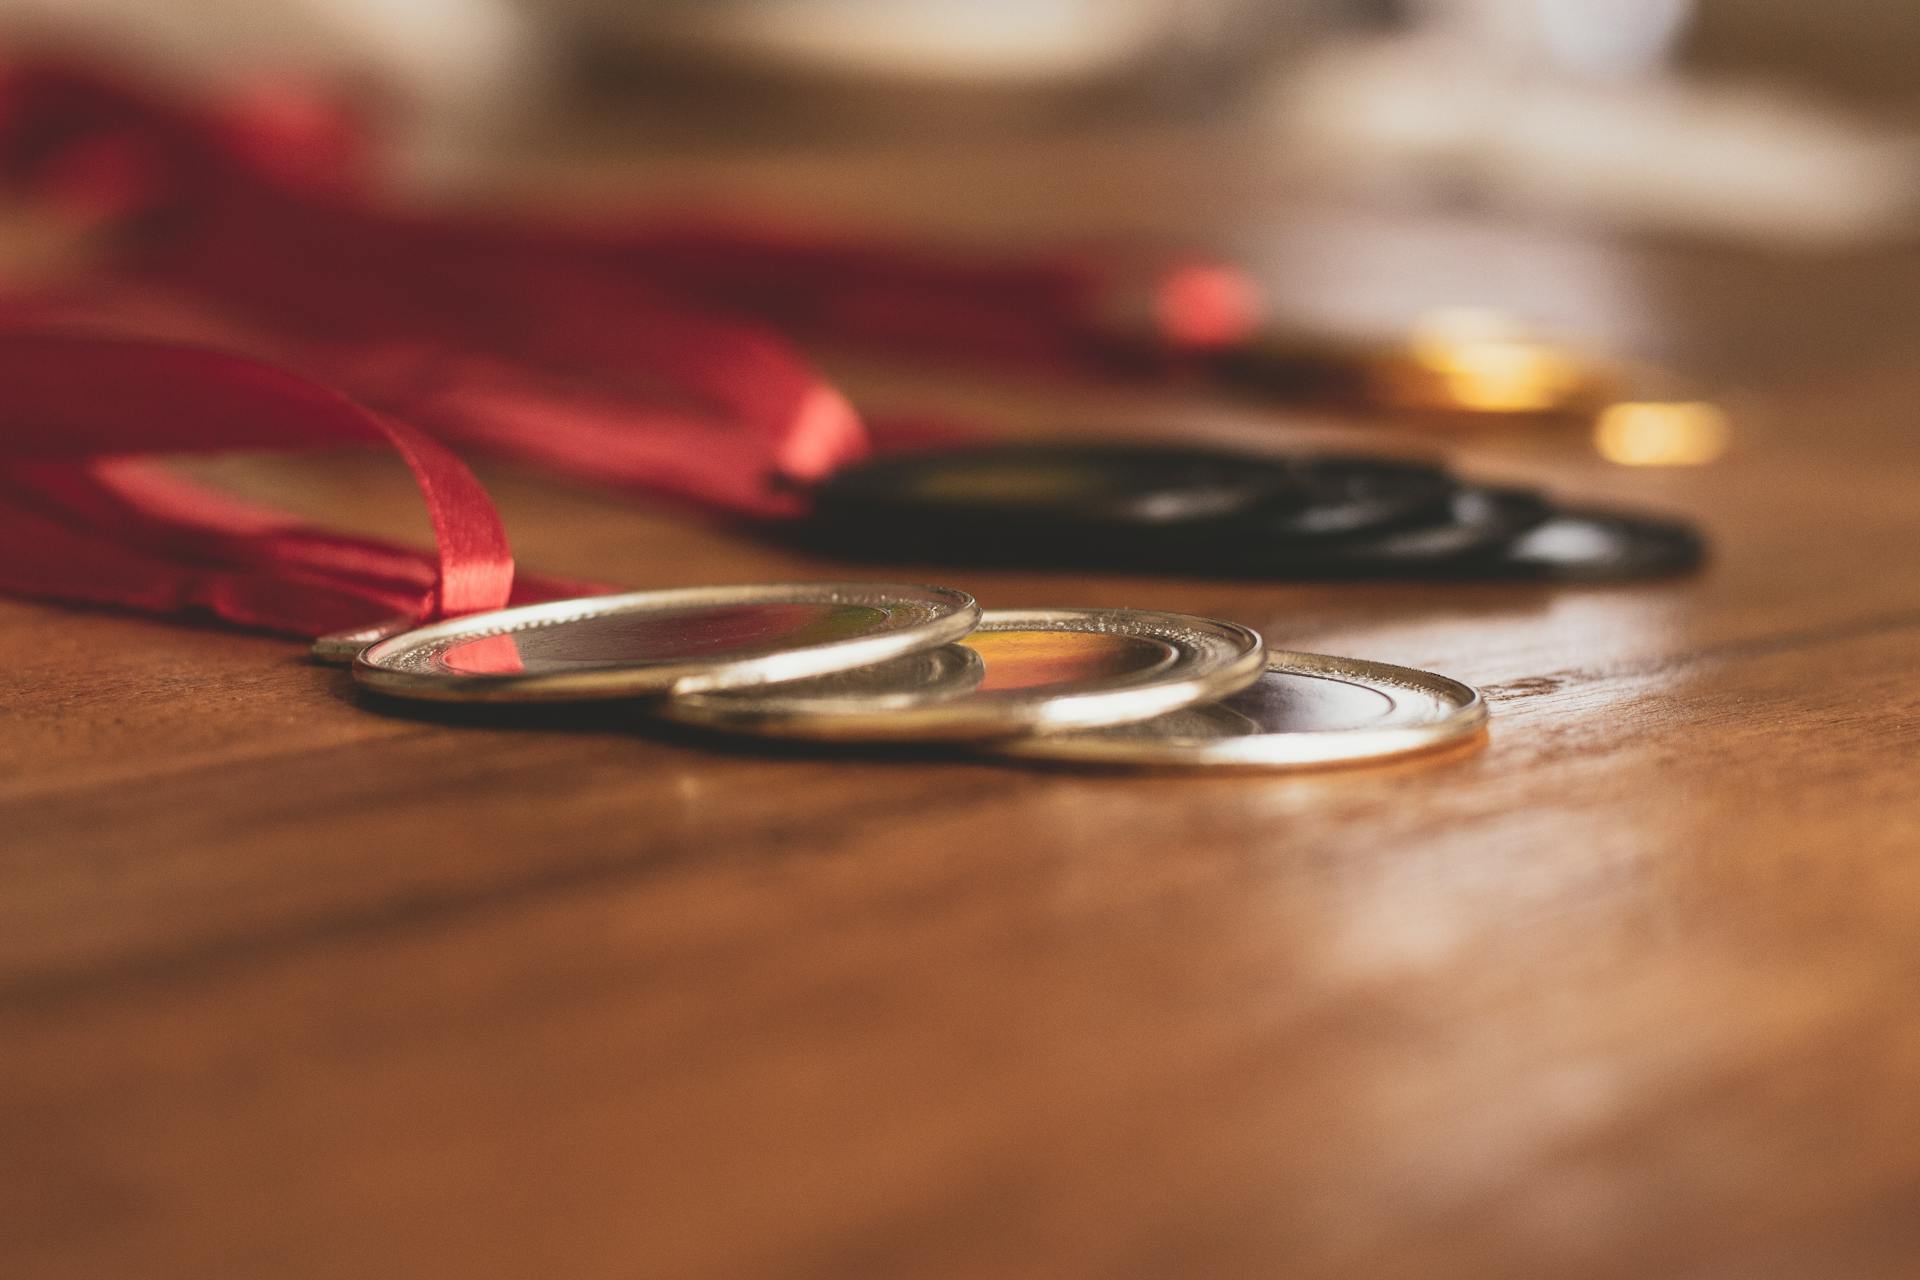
[297,985]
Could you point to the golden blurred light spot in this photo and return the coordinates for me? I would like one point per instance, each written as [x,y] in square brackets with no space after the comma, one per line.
[1485,361]
[1646,434]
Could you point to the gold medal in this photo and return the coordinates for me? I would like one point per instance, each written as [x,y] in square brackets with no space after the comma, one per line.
[1042,670]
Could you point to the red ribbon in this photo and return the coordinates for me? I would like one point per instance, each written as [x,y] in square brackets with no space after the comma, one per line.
[256,241]
[639,357]
[82,520]
[516,337]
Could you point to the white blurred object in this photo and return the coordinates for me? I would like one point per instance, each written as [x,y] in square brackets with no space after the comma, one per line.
[1007,40]
[1622,37]
[1599,36]
[449,75]
[444,73]
[1164,51]
[1560,106]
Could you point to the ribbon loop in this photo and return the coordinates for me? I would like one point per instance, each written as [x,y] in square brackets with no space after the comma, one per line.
[86,523]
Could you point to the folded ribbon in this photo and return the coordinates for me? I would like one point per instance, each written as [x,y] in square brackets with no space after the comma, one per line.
[635,356]
[83,519]
[515,337]
[264,250]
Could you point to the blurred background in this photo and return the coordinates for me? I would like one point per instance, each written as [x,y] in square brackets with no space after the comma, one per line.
[1761,119]
[1450,177]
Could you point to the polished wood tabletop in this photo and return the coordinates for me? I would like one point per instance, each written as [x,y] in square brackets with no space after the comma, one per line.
[294,984]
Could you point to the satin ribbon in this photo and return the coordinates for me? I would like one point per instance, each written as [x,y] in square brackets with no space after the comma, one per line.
[266,206]
[647,357]
[83,519]
[252,240]
[515,337]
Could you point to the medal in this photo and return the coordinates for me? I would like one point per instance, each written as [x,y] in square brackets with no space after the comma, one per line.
[1222,514]
[1590,545]
[1306,709]
[1041,670]
[1477,525]
[1489,534]
[1455,364]
[655,642]
[1113,506]
[340,648]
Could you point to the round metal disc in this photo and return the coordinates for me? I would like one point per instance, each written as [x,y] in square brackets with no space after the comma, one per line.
[1112,506]
[1305,710]
[1588,545]
[1342,497]
[1492,534]
[655,642]
[1398,375]
[911,680]
[1044,670]
[1076,484]
[1477,524]
[1479,519]
[340,648]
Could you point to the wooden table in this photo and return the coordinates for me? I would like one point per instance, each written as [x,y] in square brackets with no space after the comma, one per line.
[292,985]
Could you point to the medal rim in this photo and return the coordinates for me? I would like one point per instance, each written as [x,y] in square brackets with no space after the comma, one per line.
[340,648]
[1296,749]
[1193,677]
[873,488]
[890,640]
[1256,504]
[1647,548]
